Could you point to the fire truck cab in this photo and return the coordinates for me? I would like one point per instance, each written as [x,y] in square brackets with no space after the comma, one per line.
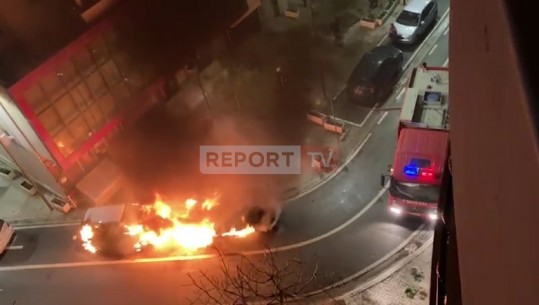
[423,145]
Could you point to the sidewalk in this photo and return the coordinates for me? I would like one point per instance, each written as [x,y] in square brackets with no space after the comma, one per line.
[409,285]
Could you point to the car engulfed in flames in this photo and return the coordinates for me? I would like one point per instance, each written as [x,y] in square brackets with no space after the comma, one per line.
[185,227]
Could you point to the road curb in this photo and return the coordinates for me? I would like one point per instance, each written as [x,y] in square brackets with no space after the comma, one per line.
[44,224]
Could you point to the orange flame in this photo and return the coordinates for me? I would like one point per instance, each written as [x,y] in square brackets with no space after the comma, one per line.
[240,233]
[162,227]
[86,235]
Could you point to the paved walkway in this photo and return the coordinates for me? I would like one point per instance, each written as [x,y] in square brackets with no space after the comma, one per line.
[407,286]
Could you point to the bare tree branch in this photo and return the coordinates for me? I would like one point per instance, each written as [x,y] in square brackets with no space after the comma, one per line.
[267,280]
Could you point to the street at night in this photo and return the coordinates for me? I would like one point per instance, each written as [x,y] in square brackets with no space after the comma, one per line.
[343,225]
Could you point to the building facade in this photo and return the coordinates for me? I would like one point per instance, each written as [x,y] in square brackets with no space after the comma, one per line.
[75,101]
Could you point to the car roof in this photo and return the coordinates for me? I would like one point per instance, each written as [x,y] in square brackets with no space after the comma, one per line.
[416,6]
[368,65]
[105,214]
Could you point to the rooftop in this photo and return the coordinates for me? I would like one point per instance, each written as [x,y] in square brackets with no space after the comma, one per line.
[426,101]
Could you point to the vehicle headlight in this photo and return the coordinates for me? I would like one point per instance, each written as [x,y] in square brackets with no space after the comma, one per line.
[396,210]
[433,216]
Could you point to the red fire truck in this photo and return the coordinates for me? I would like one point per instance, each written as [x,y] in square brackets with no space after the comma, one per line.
[423,145]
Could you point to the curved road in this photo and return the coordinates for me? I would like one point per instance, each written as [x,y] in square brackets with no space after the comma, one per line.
[45,266]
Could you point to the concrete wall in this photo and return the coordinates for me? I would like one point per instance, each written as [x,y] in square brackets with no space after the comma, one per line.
[495,159]
[24,151]
[16,124]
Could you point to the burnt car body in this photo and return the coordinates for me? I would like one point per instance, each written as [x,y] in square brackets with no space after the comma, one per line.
[110,235]
[263,219]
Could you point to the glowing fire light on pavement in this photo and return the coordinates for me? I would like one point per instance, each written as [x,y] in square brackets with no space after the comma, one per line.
[163,227]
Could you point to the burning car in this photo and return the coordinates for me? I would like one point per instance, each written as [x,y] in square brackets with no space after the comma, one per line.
[127,229]
[263,219]
[105,229]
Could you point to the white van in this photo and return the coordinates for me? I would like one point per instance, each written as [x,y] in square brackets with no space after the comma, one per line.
[414,20]
[6,233]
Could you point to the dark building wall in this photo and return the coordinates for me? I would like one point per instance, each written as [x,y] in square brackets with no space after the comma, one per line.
[34,30]
[495,156]
[159,32]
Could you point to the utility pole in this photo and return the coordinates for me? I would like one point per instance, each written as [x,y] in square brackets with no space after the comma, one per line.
[321,70]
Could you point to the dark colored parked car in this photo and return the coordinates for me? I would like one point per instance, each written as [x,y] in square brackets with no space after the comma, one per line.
[375,75]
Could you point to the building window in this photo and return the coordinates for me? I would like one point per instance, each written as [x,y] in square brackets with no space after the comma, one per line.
[66,108]
[106,105]
[36,98]
[110,73]
[123,61]
[51,121]
[96,84]
[80,129]
[84,62]
[68,74]
[65,142]
[81,95]
[121,94]
[98,116]
[52,86]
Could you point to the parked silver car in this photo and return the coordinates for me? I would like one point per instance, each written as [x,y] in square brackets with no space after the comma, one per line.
[414,21]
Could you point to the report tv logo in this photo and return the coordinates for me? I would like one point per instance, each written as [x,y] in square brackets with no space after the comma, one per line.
[266,160]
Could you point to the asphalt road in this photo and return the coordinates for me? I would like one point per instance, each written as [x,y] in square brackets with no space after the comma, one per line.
[45,266]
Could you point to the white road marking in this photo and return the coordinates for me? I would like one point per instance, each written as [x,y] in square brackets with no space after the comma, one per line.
[335,173]
[398,97]
[30,227]
[367,117]
[202,256]
[20,247]
[382,118]
[433,49]
[446,32]
[446,62]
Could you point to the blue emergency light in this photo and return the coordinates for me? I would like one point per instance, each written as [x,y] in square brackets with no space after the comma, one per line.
[412,170]
[418,167]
